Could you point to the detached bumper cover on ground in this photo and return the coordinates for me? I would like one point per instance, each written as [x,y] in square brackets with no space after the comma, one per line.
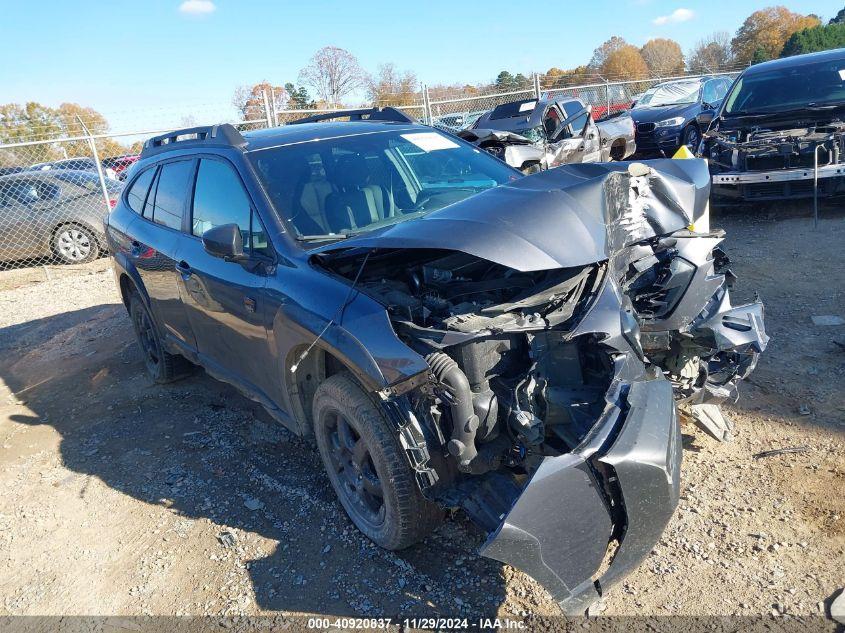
[560,526]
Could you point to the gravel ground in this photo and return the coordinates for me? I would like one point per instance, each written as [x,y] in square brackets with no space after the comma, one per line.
[123,497]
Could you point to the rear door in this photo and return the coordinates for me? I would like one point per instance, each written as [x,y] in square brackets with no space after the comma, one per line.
[17,198]
[154,242]
[38,207]
[223,299]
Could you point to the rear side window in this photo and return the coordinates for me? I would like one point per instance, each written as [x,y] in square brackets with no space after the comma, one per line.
[170,194]
[28,192]
[138,191]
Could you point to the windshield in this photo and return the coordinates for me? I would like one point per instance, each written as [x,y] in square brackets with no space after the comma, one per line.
[533,134]
[331,188]
[821,83]
[671,94]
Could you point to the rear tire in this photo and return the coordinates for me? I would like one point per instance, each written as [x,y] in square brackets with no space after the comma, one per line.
[162,366]
[367,467]
[75,244]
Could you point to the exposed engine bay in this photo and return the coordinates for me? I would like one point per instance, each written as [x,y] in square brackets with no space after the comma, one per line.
[558,351]
[761,148]
[775,162]
[504,374]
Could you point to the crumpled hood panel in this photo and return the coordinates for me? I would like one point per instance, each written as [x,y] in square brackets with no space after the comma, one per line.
[482,135]
[569,216]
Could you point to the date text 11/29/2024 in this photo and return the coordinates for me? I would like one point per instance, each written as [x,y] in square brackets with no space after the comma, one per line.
[434,624]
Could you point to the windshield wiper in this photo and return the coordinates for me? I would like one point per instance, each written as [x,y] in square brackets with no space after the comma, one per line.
[318,238]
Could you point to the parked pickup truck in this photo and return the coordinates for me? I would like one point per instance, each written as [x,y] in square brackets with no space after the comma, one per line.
[537,134]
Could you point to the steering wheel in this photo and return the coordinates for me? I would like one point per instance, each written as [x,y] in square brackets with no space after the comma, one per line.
[422,199]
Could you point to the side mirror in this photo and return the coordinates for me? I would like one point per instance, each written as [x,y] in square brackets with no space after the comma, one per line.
[704,119]
[30,196]
[224,241]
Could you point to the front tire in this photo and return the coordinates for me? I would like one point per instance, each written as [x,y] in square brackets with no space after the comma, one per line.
[366,467]
[75,244]
[691,138]
[161,365]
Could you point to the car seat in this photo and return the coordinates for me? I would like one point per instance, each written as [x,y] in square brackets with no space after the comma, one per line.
[357,203]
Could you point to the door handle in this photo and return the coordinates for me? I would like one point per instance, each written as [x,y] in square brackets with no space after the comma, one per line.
[183,269]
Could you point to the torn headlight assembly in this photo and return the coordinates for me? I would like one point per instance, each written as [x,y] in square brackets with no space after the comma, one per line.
[679,286]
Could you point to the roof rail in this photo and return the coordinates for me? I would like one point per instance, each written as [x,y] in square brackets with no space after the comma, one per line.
[362,114]
[224,134]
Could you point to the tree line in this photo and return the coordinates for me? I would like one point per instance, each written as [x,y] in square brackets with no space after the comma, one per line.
[32,121]
[766,34]
[334,74]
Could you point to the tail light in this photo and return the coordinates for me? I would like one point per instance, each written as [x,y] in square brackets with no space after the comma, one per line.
[112,203]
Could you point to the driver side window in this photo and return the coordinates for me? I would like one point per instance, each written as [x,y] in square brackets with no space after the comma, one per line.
[551,121]
[219,198]
[713,91]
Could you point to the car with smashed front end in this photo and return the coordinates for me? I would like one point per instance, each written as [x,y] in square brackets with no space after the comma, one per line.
[537,134]
[780,134]
[450,333]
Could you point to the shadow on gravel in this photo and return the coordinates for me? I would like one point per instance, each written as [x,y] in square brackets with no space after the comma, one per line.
[202,450]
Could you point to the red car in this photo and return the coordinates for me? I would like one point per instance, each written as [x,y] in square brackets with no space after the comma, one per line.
[120,164]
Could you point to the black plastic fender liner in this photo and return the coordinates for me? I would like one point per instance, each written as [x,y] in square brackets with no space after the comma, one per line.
[558,530]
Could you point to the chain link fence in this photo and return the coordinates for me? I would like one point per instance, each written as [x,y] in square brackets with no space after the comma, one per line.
[58,182]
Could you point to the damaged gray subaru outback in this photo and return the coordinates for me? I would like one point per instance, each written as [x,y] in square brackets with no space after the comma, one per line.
[450,333]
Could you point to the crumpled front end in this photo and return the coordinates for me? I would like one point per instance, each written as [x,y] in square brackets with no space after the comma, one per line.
[548,412]
[588,517]
[679,285]
[619,491]
[529,156]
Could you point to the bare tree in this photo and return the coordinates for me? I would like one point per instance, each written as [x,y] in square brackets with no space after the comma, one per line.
[333,73]
[711,54]
[392,87]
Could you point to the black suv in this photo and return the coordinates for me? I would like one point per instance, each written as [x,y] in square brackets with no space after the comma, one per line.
[665,115]
[451,334]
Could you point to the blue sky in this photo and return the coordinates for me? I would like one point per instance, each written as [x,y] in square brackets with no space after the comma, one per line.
[124,56]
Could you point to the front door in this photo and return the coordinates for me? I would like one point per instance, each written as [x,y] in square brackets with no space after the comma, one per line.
[223,299]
